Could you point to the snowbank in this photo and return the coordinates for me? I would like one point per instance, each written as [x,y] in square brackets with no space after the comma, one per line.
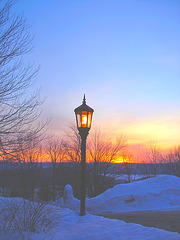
[161,192]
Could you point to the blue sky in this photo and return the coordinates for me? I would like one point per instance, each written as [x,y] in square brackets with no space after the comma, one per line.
[125,55]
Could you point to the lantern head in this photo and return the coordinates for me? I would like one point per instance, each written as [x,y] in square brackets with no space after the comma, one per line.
[83,117]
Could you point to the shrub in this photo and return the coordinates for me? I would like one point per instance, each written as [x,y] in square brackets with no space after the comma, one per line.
[21,218]
[44,193]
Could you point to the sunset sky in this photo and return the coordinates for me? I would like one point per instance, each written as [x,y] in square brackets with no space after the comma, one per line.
[124,55]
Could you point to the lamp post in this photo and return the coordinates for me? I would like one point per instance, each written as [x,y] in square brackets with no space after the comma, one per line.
[83,119]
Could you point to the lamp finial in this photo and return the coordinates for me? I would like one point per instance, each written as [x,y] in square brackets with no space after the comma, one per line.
[84,100]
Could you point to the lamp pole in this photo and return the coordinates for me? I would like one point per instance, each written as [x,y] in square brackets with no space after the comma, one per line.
[83,174]
[83,119]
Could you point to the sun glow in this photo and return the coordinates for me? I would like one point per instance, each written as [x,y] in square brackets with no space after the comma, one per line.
[122,159]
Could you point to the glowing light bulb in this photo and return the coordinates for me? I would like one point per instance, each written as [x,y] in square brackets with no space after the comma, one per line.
[84,119]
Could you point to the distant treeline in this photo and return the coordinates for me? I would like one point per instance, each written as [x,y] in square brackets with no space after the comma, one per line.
[34,180]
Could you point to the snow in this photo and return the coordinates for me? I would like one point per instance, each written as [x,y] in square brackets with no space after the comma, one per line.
[89,227]
[73,227]
[124,177]
[162,192]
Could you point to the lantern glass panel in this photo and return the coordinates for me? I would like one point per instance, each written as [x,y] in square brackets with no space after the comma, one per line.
[89,119]
[78,119]
[84,119]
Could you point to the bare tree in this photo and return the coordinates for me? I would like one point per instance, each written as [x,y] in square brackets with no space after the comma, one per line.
[20,169]
[72,144]
[56,153]
[144,165]
[18,106]
[172,160]
[154,157]
[102,152]
[129,168]
[28,156]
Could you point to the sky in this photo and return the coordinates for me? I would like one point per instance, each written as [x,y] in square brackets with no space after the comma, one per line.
[124,55]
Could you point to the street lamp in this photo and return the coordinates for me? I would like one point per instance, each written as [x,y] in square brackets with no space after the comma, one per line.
[83,119]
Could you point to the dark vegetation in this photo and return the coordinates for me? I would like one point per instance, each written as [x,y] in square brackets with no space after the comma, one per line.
[35,183]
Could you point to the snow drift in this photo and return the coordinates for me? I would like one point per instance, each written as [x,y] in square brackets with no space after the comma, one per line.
[161,192]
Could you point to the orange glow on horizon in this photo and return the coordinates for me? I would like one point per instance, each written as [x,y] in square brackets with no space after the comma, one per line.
[121,159]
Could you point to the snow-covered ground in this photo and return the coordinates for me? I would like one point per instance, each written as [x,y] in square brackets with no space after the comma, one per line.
[124,177]
[90,227]
[70,226]
[159,193]
[162,192]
